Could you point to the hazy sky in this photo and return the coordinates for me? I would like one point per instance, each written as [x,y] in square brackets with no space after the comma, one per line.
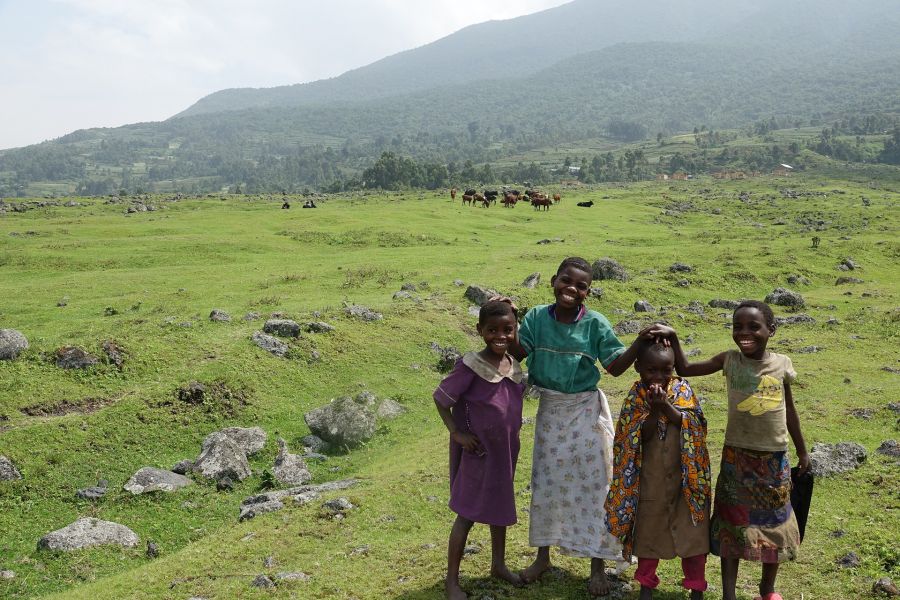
[73,64]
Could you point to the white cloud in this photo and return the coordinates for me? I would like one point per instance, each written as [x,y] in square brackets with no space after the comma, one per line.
[71,64]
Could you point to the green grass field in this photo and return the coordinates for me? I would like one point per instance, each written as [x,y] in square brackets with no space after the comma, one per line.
[137,279]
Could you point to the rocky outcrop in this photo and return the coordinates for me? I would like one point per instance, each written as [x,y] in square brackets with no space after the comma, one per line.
[150,479]
[86,533]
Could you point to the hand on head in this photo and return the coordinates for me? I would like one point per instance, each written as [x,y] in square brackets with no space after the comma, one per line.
[506,299]
[657,333]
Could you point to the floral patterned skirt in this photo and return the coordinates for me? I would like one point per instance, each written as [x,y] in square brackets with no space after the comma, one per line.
[752,514]
[570,475]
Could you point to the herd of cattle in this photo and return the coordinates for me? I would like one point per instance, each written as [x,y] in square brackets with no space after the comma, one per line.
[538,200]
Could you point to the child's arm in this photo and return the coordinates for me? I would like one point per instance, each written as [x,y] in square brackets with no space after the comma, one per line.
[469,441]
[793,425]
[624,360]
[682,366]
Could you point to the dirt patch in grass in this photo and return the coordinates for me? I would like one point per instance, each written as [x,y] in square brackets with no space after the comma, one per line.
[65,407]
[215,397]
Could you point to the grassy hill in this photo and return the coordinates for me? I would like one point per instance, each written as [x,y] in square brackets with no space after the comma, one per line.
[141,278]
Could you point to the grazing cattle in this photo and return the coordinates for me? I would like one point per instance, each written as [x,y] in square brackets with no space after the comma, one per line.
[471,192]
[541,203]
[484,201]
[468,199]
[509,200]
[453,193]
[286,205]
[816,241]
[309,204]
[587,204]
[491,195]
[556,198]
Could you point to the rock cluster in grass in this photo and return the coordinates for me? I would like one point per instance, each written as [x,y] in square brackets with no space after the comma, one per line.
[627,326]
[726,304]
[115,354]
[344,422]
[254,506]
[607,268]
[269,343]
[94,492]
[72,357]
[480,295]
[319,327]
[8,470]
[282,328]
[220,316]
[363,313]
[801,319]
[447,357]
[151,479]
[643,306]
[785,297]
[86,533]
[889,448]
[832,459]
[12,343]
[224,453]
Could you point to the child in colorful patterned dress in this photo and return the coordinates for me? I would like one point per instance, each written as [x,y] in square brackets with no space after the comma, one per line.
[572,455]
[658,501]
[480,402]
[752,514]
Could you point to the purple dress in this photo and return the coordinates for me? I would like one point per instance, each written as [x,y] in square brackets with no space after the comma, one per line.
[489,404]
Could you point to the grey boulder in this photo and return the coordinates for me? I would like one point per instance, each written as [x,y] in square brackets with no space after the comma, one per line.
[150,479]
[785,297]
[832,459]
[8,470]
[12,342]
[269,343]
[290,468]
[282,327]
[71,357]
[607,268]
[342,422]
[249,439]
[86,533]
[222,457]
[480,295]
[389,409]
[532,281]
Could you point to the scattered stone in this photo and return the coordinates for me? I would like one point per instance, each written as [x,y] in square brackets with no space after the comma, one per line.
[282,327]
[263,581]
[219,316]
[848,265]
[337,506]
[693,352]
[6,574]
[408,287]
[269,562]
[152,549]
[832,459]
[832,321]
[290,468]
[627,327]
[471,549]
[389,409]
[861,413]
[885,586]
[364,313]
[848,561]
[480,295]
[607,268]
[314,443]
[252,316]
[894,406]
[402,295]
[12,342]
[447,359]
[259,508]
[8,470]
[71,357]
[846,280]
[314,356]
[296,576]
[222,457]
[342,422]
[224,484]
[889,448]
[88,532]
[319,327]
[115,354]
[809,350]
[94,492]
[680,268]
[785,297]
[838,533]
[459,282]
[683,283]
[272,501]
[643,306]
[249,439]
[798,280]
[192,393]
[802,318]
[360,551]
[269,343]
[150,479]
[183,467]
[532,281]
[891,370]
[595,292]
[727,304]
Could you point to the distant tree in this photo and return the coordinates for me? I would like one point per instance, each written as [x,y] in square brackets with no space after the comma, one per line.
[891,152]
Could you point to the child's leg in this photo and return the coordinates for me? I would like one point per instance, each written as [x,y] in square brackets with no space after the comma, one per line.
[598,585]
[729,578]
[694,569]
[498,557]
[455,547]
[646,576]
[767,583]
[538,567]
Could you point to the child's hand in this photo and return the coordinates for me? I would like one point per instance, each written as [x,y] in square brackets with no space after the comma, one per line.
[802,464]
[657,397]
[469,442]
[657,332]
[506,299]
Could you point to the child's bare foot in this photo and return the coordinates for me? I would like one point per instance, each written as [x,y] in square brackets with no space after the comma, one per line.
[646,593]
[453,591]
[502,572]
[535,570]
[598,585]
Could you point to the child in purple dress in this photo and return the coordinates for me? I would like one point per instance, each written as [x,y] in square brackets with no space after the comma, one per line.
[480,402]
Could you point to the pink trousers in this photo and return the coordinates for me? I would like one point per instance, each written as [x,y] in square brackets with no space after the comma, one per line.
[693,567]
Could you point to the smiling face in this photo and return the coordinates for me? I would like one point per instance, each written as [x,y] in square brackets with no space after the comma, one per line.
[656,366]
[750,332]
[570,287]
[497,332]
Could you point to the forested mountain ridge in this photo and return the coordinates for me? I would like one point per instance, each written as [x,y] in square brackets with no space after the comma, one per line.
[774,69]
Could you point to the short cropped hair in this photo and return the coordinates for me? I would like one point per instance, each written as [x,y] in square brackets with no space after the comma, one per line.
[574,261]
[495,308]
[648,348]
[762,307]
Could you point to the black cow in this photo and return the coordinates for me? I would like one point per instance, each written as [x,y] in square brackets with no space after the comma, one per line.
[471,192]
[587,204]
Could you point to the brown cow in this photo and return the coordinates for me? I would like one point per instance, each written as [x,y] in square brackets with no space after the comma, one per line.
[453,193]
[509,200]
[479,197]
[467,199]
[556,198]
[541,203]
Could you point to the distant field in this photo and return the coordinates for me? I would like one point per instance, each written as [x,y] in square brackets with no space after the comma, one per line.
[149,280]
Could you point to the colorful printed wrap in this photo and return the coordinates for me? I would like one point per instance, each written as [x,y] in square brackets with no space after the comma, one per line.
[622,500]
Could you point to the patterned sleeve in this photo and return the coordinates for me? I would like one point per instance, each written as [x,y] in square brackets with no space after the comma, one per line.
[608,347]
[790,375]
[454,385]
[526,331]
